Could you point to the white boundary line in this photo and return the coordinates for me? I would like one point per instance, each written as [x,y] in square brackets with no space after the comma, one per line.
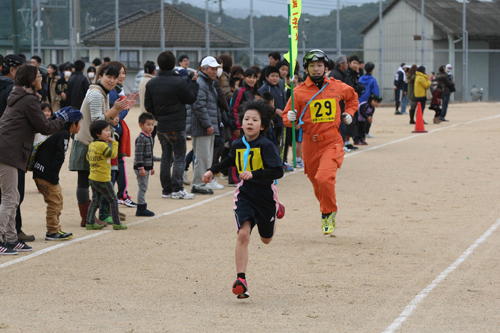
[100,233]
[423,294]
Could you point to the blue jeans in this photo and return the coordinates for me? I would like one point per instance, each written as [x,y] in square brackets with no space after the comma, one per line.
[173,151]
[446,100]
[404,102]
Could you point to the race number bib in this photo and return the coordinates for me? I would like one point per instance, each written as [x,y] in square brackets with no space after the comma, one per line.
[254,160]
[323,110]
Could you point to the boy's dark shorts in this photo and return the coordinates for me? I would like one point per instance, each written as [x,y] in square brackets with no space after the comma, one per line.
[258,205]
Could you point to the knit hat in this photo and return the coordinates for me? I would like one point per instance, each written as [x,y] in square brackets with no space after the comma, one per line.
[12,60]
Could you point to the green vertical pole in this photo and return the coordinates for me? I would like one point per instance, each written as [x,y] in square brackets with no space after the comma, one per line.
[292,75]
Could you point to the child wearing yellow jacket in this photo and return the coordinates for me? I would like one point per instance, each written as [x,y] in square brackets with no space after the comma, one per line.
[99,156]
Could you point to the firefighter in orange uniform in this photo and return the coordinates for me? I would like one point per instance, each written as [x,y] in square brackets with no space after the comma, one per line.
[317,110]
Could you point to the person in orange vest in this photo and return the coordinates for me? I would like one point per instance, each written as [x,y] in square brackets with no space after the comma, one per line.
[316,108]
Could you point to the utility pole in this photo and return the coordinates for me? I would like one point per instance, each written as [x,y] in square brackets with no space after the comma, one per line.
[465,52]
[32,50]
[15,27]
[207,29]
[252,35]
[423,32]
[339,33]
[71,33]
[117,31]
[162,25]
[381,49]
[39,27]
[77,26]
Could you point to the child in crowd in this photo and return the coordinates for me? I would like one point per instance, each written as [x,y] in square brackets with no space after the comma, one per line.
[99,156]
[288,131]
[143,161]
[47,165]
[437,96]
[255,202]
[246,92]
[271,85]
[47,110]
[365,113]
[269,99]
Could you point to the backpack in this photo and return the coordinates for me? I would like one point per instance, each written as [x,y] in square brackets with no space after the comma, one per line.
[34,152]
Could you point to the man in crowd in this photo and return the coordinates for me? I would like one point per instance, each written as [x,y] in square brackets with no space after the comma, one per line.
[77,86]
[203,123]
[37,61]
[165,97]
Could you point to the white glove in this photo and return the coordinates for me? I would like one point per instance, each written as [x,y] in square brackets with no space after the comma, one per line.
[347,118]
[292,115]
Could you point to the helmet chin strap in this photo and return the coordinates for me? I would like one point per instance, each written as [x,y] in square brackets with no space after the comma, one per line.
[317,78]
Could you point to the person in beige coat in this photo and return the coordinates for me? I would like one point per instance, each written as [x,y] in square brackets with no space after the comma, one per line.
[53,98]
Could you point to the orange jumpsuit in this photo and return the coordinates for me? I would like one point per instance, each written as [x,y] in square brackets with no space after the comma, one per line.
[322,145]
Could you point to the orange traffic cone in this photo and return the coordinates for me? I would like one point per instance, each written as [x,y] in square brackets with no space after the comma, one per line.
[419,123]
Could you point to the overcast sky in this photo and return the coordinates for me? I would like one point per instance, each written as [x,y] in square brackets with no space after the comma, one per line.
[274,7]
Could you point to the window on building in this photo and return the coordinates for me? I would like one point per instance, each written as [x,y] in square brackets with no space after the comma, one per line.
[130,59]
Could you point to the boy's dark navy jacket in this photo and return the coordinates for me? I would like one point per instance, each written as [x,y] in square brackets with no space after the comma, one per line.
[50,157]
[279,99]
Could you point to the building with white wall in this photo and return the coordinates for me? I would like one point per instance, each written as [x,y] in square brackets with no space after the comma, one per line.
[402,31]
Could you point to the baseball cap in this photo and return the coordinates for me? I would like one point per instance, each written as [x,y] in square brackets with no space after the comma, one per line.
[210,61]
[12,60]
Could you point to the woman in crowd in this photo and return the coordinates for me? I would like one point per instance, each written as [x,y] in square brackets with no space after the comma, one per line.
[410,79]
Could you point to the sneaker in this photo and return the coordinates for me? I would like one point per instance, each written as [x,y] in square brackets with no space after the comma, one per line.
[240,288]
[201,190]
[61,235]
[300,163]
[357,143]
[5,250]
[120,226]
[369,136]
[281,211]
[232,184]
[404,112]
[346,150]
[182,194]
[363,143]
[213,185]
[328,223]
[287,167]
[185,179]
[108,220]
[222,176]
[127,202]
[19,246]
[351,147]
[94,226]
[166,196]
[397,112]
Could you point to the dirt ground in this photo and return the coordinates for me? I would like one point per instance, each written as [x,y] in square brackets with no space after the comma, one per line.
[409,206]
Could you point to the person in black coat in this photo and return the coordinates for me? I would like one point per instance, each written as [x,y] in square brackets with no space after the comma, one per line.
[47,165]
[78,85]
[166,96]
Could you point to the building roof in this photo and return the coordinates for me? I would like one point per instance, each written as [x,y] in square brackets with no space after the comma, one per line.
[143,29]
[482,16]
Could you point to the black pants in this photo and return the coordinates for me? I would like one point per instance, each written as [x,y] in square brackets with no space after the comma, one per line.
[422,101]
[360,135]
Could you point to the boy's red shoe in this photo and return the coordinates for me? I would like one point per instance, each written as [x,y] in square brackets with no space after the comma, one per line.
[281,211]
[240,288]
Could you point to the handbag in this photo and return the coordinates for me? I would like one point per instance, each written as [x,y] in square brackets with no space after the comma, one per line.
[452,87]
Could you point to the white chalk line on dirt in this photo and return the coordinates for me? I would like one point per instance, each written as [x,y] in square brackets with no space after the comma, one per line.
[414,303]
[100,233]
[103,232]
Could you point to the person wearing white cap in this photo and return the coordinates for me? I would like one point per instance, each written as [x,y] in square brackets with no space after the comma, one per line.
[203,123]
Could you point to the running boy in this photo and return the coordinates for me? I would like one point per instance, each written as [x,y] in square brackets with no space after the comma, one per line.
[143,161]
[47,165]
[255,203]
[99,157]
[316,107]
[365,114]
